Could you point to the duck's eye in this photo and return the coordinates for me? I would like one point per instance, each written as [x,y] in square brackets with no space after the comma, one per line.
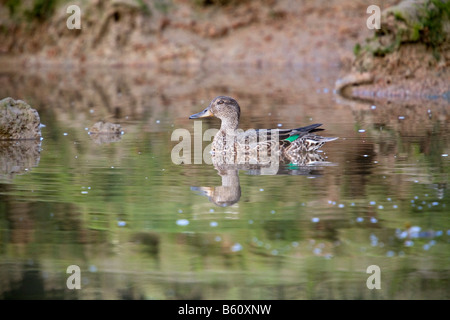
[220,102]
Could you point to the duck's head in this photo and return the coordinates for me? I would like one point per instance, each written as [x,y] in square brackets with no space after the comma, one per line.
[225,108]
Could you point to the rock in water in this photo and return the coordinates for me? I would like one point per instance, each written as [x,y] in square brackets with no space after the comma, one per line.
[105,132]
[18,121]
[352,79]
[102,127]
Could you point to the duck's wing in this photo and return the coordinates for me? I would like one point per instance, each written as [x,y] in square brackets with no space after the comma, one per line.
[285,134]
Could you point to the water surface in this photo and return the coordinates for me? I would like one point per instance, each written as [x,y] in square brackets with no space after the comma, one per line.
[141,227]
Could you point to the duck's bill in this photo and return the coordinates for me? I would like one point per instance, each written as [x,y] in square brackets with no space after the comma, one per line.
[202,114]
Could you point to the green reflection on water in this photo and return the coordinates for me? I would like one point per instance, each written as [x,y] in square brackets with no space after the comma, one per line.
[130,219]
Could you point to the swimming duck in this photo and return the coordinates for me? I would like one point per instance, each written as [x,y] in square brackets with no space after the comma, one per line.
[230,138]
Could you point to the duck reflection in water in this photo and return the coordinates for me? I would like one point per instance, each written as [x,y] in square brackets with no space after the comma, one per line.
[259,152]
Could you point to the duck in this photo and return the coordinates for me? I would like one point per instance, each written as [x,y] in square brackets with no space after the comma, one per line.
[231,139]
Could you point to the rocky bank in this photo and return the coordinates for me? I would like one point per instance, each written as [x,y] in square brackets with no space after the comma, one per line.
[400,59]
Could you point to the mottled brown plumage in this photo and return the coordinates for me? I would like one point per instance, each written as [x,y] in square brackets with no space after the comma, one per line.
[233,141]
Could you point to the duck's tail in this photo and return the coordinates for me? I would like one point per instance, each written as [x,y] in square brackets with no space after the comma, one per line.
[308,143]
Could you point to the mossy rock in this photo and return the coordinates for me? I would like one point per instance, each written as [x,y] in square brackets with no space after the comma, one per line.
[18,121]
[415,18]
[424,21]
[105,132]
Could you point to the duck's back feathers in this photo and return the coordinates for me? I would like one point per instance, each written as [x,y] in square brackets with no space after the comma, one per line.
[291,135]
